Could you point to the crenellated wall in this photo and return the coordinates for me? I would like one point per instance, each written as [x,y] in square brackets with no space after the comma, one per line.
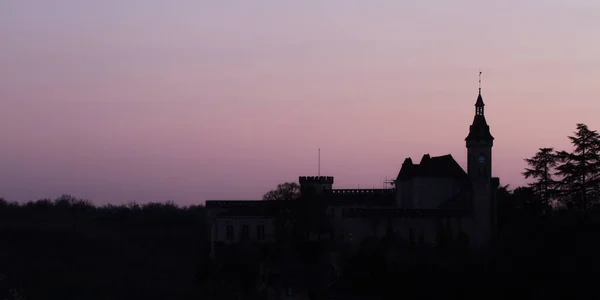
[316,179]
[315,184]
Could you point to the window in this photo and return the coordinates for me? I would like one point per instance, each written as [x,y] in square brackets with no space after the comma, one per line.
[229,232]
[260,232]
[245,230]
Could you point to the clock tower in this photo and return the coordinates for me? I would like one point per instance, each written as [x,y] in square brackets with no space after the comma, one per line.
[479,146]
[479,168]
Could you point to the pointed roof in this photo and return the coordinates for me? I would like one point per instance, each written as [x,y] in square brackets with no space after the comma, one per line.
[479,129]
[438,166]
[479,102]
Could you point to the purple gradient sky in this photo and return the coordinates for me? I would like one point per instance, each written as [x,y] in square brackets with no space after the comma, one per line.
[140,100]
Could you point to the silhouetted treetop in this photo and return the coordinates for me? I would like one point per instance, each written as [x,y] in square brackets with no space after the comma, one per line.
[569,178]
[68,248]
[541,167]
[284,191]
[579,170]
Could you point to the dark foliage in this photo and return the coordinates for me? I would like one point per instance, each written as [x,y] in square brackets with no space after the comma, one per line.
[541,168]
[569,179]
[579,170]
[284,191]
[70,249]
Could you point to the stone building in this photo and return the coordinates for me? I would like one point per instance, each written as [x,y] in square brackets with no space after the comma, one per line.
[429,194]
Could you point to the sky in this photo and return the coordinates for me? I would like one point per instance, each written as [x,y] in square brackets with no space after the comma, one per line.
[187,100]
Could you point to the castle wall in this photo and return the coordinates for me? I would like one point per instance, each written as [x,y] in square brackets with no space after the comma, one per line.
[220,229]
[404,194]
[429,192]
[352,229]
[483,206]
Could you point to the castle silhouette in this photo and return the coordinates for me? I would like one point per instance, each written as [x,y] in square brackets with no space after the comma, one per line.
[435,193]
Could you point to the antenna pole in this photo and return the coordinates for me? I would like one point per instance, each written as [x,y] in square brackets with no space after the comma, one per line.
[319,164]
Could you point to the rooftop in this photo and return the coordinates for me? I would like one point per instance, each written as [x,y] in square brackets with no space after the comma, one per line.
[438,166]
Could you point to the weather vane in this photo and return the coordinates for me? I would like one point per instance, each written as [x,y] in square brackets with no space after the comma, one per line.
[480,80]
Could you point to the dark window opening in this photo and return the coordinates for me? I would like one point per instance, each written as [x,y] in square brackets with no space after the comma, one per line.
[229,232]
[245,230]
[260,232]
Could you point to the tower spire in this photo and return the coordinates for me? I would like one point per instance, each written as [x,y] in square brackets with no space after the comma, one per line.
[479,103]
[479,129]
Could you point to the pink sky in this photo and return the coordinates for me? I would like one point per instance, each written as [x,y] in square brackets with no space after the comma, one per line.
[139,100]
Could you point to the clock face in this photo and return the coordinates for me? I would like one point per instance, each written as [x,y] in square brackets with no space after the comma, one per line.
[481,158]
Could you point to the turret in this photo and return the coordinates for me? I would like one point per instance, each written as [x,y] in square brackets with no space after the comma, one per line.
[315,184]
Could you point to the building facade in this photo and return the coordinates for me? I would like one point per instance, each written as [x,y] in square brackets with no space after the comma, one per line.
[435,192]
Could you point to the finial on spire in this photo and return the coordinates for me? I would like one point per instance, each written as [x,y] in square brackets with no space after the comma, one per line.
[479,103]
[480,81]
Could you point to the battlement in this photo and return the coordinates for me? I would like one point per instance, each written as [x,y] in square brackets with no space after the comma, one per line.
[361,191]
[316,179]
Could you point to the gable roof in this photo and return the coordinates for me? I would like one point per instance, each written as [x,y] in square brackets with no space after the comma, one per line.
[438,166]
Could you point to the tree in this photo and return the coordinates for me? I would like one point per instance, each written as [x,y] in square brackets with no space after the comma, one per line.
[524,198]
[285,218]
[507,205]
[580,169]
[296,220]
[541,167]
[284,191]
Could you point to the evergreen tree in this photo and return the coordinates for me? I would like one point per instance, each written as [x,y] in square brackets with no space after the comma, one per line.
[541,167]
[579,170]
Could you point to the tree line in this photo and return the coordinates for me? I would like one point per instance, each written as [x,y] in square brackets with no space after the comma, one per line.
[567,180]
[68,248]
